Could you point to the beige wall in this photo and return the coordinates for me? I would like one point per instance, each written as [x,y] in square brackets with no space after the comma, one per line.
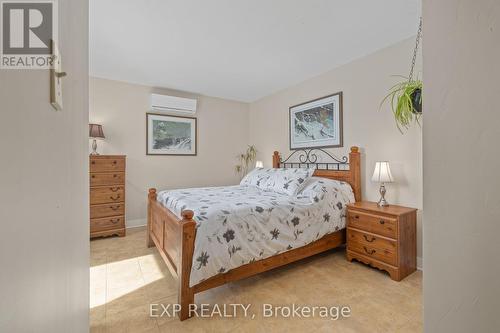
[364,83]
[222,134]
[44,237]
[461,166]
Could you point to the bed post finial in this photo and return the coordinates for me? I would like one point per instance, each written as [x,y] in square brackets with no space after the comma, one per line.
[276,159]
[185,295]
[187,214]
[355,168]
[151,202]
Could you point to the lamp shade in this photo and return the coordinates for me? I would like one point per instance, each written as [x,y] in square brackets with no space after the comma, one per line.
[259,164]
[382,173]
[95,131]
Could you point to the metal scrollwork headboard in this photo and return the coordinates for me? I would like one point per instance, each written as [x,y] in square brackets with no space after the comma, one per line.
[309,158]
[347,169]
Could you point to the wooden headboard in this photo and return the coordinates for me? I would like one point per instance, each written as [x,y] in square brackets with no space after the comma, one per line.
[343,169]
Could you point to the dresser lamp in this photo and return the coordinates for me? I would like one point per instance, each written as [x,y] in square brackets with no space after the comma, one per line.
[95,132]
[382,174]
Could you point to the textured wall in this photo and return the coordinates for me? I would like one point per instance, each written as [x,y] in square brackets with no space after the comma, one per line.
[44,241]
[461,164]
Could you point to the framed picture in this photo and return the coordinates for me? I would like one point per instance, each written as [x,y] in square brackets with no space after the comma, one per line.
[317,123]
[170,135]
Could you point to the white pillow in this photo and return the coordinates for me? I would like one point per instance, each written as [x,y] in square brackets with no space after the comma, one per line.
[315,189]
[281,180]
[252,178]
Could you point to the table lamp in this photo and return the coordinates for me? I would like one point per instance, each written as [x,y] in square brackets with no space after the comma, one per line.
[95,132]
[382,174]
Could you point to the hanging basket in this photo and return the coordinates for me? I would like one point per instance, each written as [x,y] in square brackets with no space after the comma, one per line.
[416,101]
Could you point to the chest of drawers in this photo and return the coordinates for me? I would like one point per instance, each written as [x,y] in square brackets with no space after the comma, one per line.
[383,237]
[107,195]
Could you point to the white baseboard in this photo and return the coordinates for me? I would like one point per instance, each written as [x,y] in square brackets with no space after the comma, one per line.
[135,223]
[420,264]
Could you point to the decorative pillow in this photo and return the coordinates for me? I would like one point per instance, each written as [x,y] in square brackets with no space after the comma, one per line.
[285,181]
[252,178]
[317,188]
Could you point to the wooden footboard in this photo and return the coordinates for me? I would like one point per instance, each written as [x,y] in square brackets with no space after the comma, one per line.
[174,239]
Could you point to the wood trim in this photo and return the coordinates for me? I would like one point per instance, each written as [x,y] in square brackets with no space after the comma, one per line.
[328,242]
[392,270]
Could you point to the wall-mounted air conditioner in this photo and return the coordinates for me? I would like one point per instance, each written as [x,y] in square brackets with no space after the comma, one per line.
[173,103]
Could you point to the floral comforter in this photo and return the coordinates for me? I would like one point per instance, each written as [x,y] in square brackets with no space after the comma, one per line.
[240,224]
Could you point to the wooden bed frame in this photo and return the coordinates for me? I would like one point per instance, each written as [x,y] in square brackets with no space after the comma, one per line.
[175,237]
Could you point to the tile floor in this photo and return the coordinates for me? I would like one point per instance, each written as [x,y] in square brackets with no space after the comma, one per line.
[126,277]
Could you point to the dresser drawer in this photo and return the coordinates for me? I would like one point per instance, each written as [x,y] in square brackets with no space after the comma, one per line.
[107,164]
[108,223]
[98,211]
[107,194]
[107,178]
[377,224]
[371,245]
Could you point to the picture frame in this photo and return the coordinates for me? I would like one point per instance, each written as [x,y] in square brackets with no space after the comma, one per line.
[171,135]
[317,123]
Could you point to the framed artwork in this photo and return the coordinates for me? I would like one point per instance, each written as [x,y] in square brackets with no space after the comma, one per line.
[170,135]
[317,123]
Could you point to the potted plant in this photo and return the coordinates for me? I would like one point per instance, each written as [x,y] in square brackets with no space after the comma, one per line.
[406,102]
[406,96]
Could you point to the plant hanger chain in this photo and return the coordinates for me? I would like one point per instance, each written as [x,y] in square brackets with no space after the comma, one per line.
[417,42]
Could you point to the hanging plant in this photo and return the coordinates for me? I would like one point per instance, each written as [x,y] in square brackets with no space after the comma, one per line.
[406,97]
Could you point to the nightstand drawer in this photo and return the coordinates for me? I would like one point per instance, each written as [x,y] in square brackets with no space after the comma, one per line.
[108,223]
[371,245]
[376,224]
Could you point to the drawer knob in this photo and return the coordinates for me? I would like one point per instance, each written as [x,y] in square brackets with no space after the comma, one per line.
[114,199]
[93,162]
[93,176]
[369,240]
[114,207]
[368,251]
[114,189]
[115,175]
[114,162]
[115,221]
[356,217]
[381,222]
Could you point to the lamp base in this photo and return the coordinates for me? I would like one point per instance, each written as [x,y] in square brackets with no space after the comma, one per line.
[94,148]
[382,202]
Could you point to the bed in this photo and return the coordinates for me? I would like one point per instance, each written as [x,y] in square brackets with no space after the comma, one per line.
[212,236]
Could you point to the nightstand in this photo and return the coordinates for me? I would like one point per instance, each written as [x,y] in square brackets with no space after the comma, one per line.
[383,237]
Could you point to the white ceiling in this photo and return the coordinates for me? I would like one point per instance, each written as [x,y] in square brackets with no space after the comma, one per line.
[239,49]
